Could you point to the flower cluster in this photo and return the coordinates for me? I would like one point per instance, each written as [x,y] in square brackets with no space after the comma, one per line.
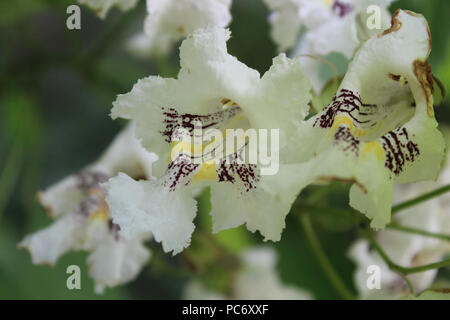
[379,129]
[379,133]
[171,20]
[332,26]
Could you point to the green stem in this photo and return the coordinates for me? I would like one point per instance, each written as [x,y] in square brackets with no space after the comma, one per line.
[409,283]
[342,213]
[422,198]
[403,270]
[9,176]
[323,260]
[424,233]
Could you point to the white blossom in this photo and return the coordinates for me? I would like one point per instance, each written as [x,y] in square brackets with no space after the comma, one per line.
[380,127]
[169,21]
[77,203]
[215,88]
[331,26]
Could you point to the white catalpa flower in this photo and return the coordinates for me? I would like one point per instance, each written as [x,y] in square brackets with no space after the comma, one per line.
[331,26]
[257,280]
[102,7]
[169,21]
[407,249]
[380,127]
[82,217]
[285,20]
[213,88]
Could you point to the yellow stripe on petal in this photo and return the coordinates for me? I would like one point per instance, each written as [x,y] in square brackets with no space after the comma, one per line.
[342,119]
[186,147]
[373,147]
[100,215]
[206,172]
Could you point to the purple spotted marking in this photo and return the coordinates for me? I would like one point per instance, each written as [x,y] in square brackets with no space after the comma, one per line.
[90,179]
[347,140]
[114,229]
[246,173]
[399,149]
[341,8]
[346,101]
[182,168]
[174,120]
[397,143]
[89,205]
[178,170]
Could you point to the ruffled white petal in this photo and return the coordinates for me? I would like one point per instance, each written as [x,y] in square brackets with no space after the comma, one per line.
[280,101]
[61,198]
[47,245]
[285,22]
[263,208]
[126,154]
[116,261]
[171,20]
[142,206]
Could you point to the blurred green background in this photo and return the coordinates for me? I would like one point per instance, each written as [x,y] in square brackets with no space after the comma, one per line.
[56,90]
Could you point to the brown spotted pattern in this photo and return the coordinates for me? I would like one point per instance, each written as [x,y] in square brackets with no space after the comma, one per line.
[230,168]
[341,9]
[173,120]
[349,103]
[399,149]
[398,145]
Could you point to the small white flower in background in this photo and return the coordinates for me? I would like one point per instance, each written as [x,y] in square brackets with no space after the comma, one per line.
[380,127]
[285,21]
[221,92]
[406,249]
[82,217]
[169,21]
[102,7]
[331,26]
[256,280]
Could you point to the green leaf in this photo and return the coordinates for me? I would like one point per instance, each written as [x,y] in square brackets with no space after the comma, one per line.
[13,10]
[20,118]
